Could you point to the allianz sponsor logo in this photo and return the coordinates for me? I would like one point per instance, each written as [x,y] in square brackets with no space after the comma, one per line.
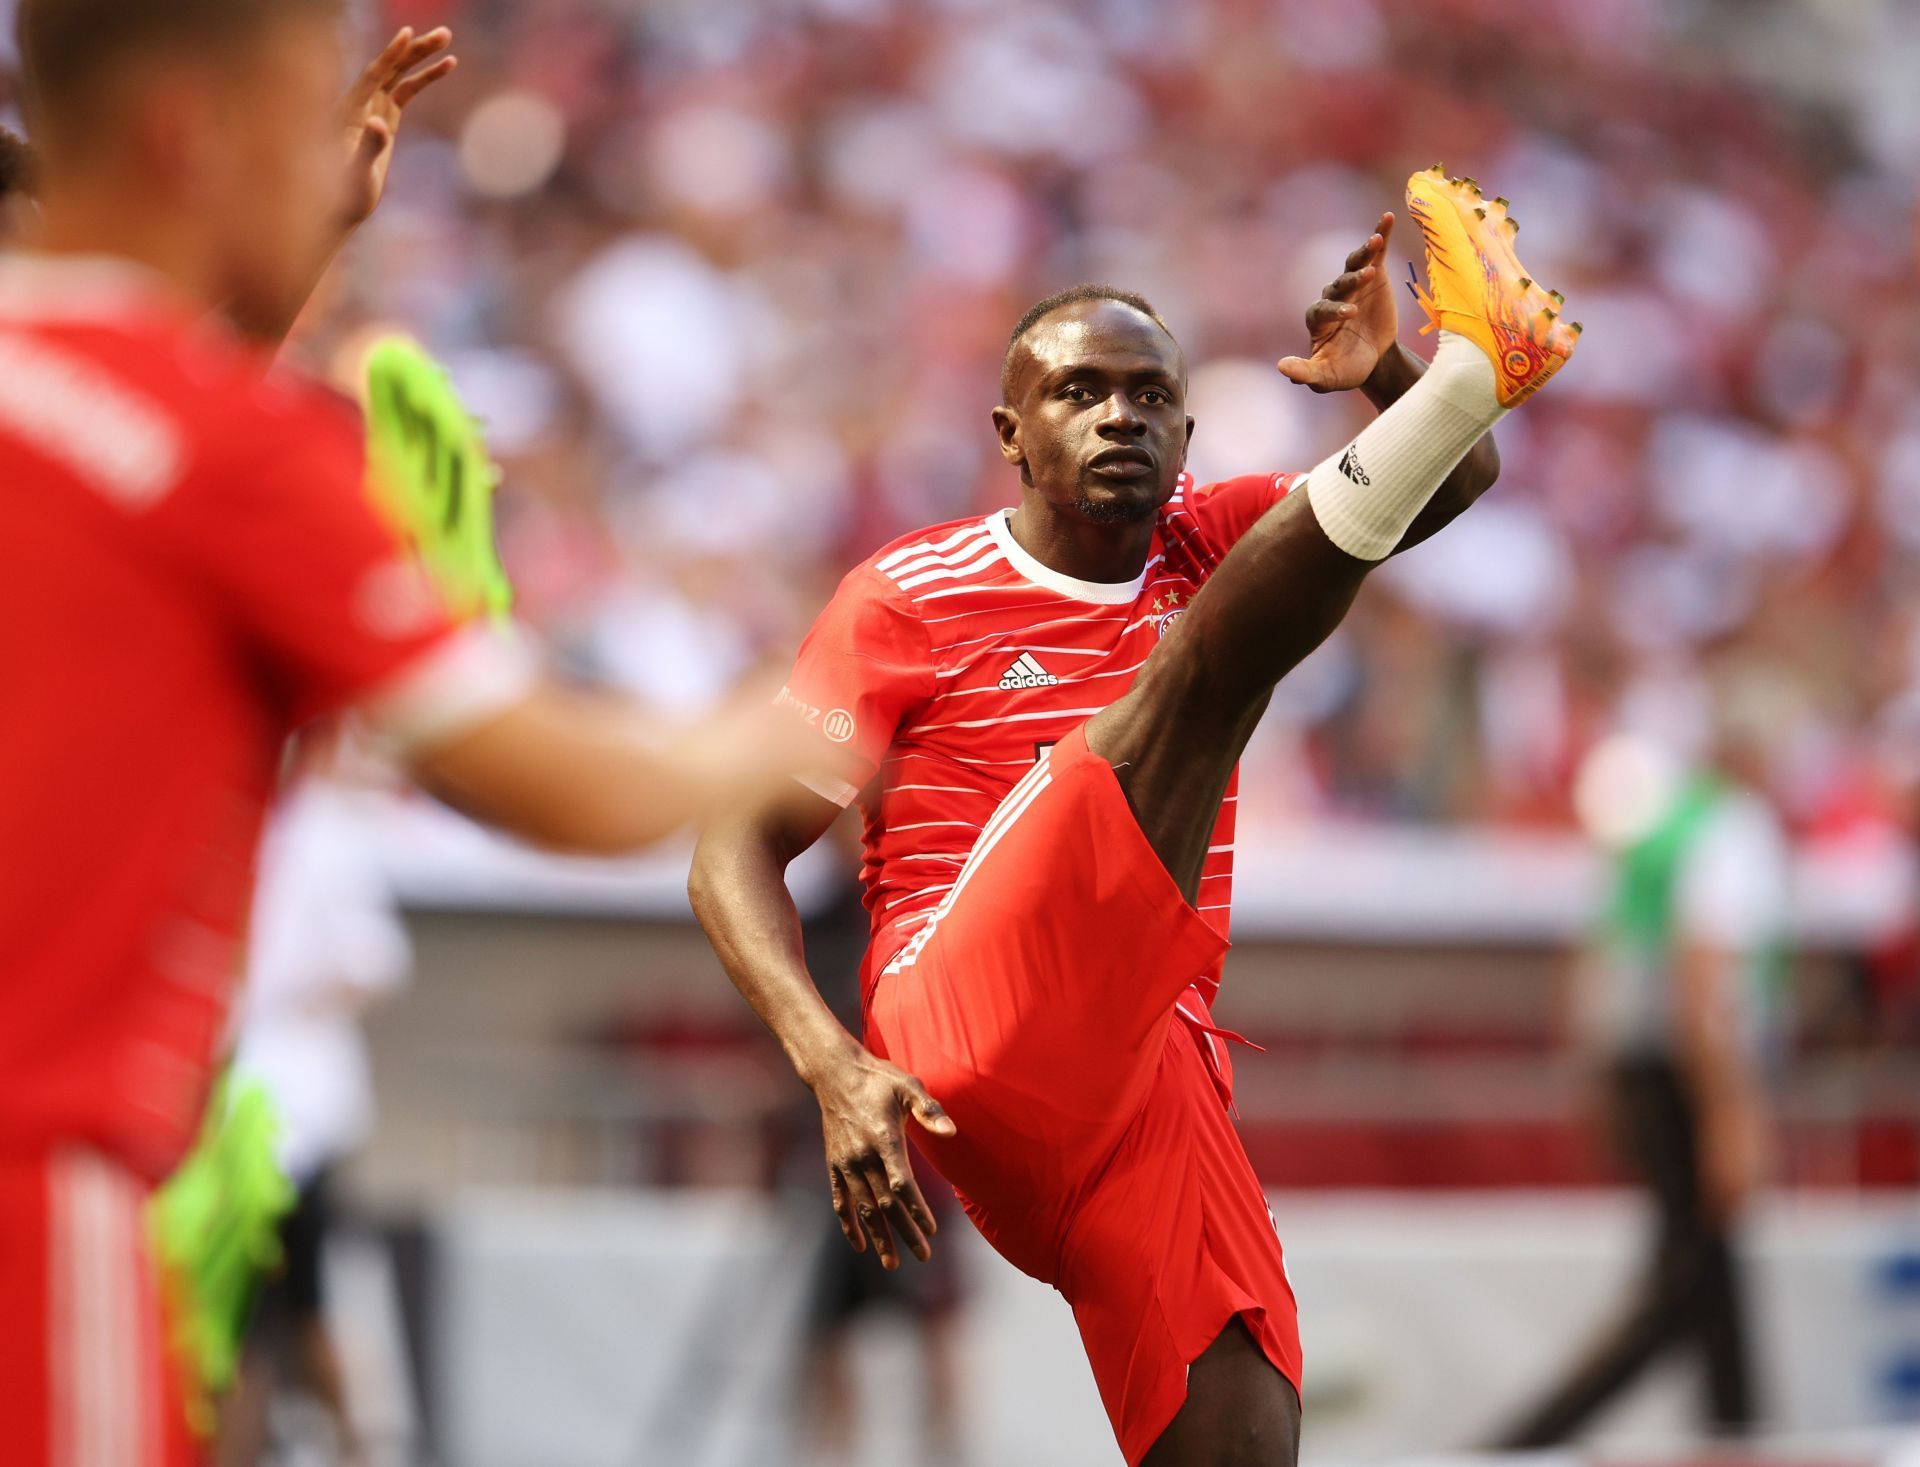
[837,723]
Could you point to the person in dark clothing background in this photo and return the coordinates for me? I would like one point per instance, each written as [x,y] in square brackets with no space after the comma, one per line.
[1681,1000]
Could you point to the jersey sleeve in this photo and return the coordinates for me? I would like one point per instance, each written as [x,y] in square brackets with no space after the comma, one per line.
[276,522]
[864,665]
[1228,509]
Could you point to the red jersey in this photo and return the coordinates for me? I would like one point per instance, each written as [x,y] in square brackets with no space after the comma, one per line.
[189,568]
[949,660]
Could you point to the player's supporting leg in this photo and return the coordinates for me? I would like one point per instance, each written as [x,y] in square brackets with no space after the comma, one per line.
[1175,737]
[1233,1385]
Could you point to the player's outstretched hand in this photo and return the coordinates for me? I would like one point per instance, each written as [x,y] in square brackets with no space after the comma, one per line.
[370,112]
[864,1105]
[1353,324]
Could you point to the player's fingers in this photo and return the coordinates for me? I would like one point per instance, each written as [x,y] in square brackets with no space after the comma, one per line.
[423,50]
[913,1202]
[1384,229]
[928,1111]
[1368,251]
[426,44]
[843,1211]
[1348,283]
[384,65]
[873,1219]
[1305,370]
[414,85]
[895,1213]
[1323,315]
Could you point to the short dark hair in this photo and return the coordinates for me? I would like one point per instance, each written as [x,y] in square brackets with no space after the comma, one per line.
[1073,295]
[67,45]
[17,166]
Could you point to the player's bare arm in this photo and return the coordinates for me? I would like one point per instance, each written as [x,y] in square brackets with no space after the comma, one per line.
[739,894]
[583,772]
[1353,345]
[369,118]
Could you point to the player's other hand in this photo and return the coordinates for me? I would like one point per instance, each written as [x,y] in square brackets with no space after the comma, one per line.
[864,1105]
[1353,324]
[370,112]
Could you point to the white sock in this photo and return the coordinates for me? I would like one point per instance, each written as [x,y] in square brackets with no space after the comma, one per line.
[1366,495]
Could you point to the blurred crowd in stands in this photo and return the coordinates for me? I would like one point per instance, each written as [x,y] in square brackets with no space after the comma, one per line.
[730,281]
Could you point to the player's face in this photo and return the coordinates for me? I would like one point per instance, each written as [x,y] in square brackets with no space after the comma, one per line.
[274,176]
[1097,416]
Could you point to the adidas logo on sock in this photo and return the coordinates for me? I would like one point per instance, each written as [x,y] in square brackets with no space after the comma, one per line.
[1027,673]
[1350,466]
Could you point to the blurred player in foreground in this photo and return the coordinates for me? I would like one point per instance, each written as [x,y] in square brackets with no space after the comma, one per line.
[190,569]
[1048,705]
[1680,997]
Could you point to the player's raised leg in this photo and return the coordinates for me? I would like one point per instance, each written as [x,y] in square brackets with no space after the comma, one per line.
[1176,735]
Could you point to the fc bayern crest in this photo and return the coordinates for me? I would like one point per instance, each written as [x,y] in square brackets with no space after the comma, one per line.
[1168,609]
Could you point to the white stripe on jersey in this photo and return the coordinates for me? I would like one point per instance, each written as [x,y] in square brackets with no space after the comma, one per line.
[960,759]
[1187,538]
[915,895]
[931,547]
[959,555]
[1000,610]
[1005,718]
[1009,634]
[1032,629]
[1018,800]
[974,591]
[952,573]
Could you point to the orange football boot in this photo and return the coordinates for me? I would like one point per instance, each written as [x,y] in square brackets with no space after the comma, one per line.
[1476,285]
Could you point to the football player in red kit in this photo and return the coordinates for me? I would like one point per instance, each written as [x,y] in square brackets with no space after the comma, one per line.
[191,568]
[1046,705]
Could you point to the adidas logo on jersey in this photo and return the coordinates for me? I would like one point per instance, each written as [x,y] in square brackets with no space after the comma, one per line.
[1027,673]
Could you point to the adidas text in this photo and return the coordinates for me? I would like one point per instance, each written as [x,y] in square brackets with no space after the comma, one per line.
[1026,672]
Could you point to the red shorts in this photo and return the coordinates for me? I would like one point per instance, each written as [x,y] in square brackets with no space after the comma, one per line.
[1093,1149]
[84,1378]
